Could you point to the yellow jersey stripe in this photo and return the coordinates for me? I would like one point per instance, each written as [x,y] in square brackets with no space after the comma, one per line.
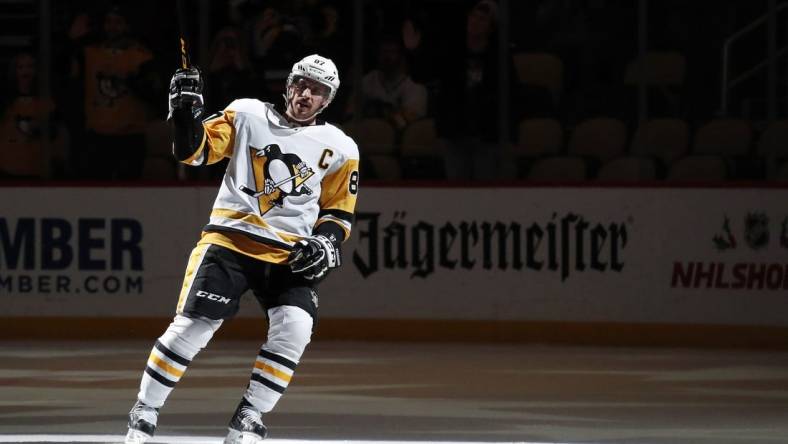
[191,271]
[262,366]
[252,219]
[164,365]
[220,136]
[336,188]
[246,246]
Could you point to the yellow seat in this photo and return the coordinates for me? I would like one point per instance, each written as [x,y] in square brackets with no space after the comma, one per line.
[664,139]
[159,168]
[541,69]
[628,169]
[159,161]
[538,137]
[724,137]
[157,138]
[666,68]
[698,168]
[420,139]
[782,173]
[774,141]
[372,135]
[601,138]
[386,166]
[559,169]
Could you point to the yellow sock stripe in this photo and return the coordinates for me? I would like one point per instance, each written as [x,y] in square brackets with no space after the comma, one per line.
[164,365]
[262,366]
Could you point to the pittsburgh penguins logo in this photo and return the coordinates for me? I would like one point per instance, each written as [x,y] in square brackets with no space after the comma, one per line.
[281,175]
[27,126]
[110,87]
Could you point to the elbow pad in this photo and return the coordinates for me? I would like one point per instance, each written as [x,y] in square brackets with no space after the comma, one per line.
[186,130]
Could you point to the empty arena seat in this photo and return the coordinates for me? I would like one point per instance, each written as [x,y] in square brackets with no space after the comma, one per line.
[699,168]
[420,139]
[664,139]
[559,169]
[782,173]
[666,68]
[724,137]
[541,70]
[373,135]
[159,168]
[773,150]
[422,151]
[663,73]
[629,169]
[159,162]
[539,137]
[774,141]
[384,166]
[600,138]
[157,139]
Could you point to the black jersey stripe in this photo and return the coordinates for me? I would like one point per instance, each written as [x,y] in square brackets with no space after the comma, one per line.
[339,214]
[254,237]
[159,378]
[171,354]
[273,386]
[278,359]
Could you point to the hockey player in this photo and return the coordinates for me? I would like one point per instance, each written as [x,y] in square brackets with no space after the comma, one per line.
[284,207]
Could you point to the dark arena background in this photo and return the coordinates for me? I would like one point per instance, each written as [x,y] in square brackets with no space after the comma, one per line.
[572,219]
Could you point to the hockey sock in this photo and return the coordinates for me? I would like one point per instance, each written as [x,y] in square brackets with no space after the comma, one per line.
[289,332]
[171,355]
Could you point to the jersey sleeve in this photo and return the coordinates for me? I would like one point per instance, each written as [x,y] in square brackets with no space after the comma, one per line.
[218,139]
[338,196]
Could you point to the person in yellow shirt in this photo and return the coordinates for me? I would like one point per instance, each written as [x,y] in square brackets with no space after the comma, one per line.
[112,72]
[24,151]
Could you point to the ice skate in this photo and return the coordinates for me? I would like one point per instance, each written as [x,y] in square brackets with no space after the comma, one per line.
[142,423]
[246,427]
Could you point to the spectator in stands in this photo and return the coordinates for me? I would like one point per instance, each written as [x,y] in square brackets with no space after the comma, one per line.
[327,35]
[594,39]
[466,111]
[68,89]
[419,51]
[229,75]
[116,74]
[275,42]
[329,38]
[389,92]
[25,153]
[229,72]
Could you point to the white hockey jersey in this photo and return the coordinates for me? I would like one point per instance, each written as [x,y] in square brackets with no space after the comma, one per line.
[281,181]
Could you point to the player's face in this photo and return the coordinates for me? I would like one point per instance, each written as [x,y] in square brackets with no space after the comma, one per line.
[306,97]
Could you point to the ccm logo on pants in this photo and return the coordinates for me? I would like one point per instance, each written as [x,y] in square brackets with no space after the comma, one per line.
[212,297]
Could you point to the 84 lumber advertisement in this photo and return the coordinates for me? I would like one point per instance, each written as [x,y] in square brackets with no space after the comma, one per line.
[713,256]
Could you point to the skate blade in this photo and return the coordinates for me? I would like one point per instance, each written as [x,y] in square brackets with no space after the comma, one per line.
[236,437]
[136,437]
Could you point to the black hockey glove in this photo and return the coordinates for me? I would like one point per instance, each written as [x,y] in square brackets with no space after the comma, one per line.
[313,256]
[185,112]
[186,88]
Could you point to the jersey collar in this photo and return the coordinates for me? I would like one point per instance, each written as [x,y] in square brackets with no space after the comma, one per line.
[282,121]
